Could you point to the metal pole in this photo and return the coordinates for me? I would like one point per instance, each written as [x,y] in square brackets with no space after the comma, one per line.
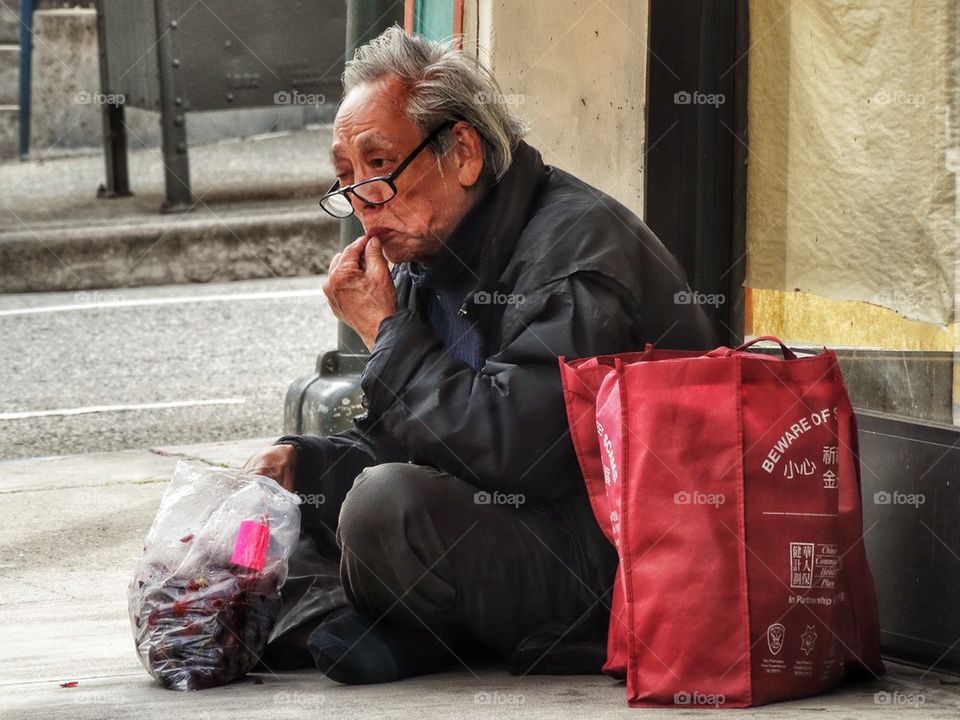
[114,125]
[173,123]
[26,62]
[366,19]
[327,401]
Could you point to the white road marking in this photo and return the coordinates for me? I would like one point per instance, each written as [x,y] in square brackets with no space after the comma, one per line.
[118,408]
[275,295]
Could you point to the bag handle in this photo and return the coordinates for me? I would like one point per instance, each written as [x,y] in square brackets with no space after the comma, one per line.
[788,354]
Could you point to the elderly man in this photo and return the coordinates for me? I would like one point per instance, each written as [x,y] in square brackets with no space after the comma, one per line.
[454,515]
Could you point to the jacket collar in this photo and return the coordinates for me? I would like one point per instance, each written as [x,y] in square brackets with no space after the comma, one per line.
[481,245]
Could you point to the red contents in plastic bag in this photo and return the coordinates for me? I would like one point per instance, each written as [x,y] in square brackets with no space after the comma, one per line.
[205,593]
[206,631]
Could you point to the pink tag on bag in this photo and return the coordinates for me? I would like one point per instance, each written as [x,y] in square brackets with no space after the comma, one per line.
[250,547]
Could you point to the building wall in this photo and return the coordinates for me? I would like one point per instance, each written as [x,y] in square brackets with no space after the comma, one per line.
[852,215]
[575,70]
[853,233]
[852,227]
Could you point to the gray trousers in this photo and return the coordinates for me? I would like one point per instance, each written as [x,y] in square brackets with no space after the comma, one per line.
[413,545]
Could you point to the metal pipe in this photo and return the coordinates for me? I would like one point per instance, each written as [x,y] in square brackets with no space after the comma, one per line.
[26,58]
[173,123]
[327,401]
[114,123]
[366,19]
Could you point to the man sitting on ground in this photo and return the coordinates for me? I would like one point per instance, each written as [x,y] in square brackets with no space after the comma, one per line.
[455,508]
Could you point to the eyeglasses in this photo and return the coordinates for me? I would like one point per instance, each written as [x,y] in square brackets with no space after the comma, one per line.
[374,191]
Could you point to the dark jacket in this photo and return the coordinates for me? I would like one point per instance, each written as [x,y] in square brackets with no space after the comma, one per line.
[586,277]
[543,265]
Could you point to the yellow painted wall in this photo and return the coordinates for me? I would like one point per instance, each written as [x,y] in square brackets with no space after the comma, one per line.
[807,318]
[853,230]
[851,196]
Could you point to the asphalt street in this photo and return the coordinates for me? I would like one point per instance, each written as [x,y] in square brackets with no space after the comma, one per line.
[132,368]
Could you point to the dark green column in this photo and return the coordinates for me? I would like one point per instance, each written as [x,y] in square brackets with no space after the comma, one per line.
[326,401]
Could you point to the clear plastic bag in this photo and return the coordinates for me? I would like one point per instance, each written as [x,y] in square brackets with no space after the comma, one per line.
[206,591]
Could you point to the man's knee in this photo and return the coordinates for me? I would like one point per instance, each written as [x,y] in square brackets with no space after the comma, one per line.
[377,507]
[389,539]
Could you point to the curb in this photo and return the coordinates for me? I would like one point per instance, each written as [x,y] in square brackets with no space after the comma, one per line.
[137,466]
[176,249]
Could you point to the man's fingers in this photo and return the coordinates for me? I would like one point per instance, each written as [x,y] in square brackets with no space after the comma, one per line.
[373,256]
[333,263]
[350,256]
[332,299]
[277,462]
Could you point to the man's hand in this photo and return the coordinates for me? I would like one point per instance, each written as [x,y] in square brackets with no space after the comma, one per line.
[277,462]
[360,289]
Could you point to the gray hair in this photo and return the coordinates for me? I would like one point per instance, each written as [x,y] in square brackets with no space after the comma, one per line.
[442,84]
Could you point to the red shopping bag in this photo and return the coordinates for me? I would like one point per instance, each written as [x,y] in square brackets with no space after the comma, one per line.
[581,383]
[729,483]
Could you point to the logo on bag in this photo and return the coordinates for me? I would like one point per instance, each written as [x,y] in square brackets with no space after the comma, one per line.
[687,697]
[775,635]
[799,469]
[829,480]
[814,565]
[698,498]
[615,524]
[790,436]
[808,639]
[801,565]
[609,467]
[829,458]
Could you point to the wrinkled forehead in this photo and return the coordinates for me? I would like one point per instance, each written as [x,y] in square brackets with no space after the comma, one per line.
[373,115]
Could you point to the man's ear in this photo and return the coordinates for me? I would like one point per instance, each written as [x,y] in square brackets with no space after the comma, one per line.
[466,149]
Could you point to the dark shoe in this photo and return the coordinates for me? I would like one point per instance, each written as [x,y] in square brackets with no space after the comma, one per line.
[353,649]
[555,650]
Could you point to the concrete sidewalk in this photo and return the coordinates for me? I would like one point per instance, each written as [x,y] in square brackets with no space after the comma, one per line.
[256,216]
[72,529]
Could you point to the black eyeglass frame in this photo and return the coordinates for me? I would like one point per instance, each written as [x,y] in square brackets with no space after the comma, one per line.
[390,179]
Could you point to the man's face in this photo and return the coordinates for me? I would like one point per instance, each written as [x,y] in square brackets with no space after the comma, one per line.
[371,136]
